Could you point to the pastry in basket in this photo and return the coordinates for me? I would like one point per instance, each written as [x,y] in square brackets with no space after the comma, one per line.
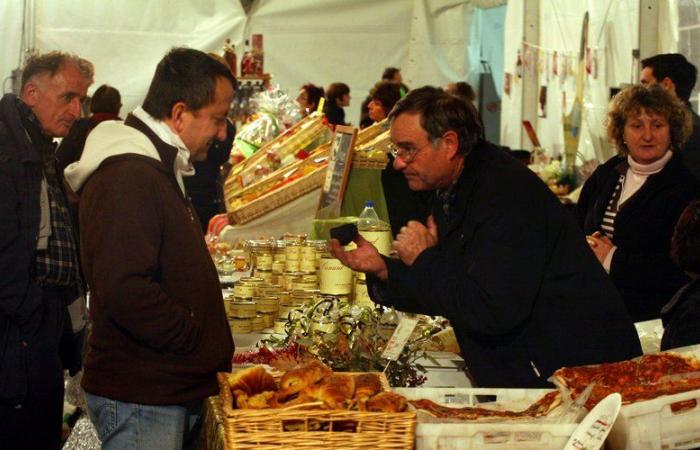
[252,380]
[247,383]
[296,380]
[366,386]
[262,400]
[334,391]
[387,402]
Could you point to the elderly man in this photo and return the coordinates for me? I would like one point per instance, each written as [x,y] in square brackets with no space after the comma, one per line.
[159,331]
[499,256]
[38,252]
[675,73]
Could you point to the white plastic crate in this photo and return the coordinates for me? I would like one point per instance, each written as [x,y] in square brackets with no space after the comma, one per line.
[537,435]
[651,425]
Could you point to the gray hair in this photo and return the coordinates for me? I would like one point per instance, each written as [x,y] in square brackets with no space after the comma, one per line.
[50,63]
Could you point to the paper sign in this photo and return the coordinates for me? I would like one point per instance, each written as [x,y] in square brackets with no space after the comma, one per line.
[398,340]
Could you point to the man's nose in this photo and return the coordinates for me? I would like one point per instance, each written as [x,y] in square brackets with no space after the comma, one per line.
[75,107]
[399,164]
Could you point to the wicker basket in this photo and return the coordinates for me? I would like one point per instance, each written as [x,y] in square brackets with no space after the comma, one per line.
[308,429]
[266,203]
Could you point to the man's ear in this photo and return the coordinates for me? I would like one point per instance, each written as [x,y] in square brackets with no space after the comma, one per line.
[668,83]
[31,93]
[451,141]
[177,117]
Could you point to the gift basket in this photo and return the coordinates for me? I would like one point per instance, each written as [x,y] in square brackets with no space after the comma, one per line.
[274,111]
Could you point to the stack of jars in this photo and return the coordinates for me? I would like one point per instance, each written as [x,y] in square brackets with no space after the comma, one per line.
[288,273]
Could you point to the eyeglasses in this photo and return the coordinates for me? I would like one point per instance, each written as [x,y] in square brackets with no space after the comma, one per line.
[409,154]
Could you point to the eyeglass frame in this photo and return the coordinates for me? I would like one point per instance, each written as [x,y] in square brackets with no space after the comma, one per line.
[408,156]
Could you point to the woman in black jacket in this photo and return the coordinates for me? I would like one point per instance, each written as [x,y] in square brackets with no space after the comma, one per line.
[630,205]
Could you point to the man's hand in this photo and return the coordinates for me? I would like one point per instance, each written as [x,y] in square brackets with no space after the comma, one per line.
[365,258]
[600,244]
[414,238]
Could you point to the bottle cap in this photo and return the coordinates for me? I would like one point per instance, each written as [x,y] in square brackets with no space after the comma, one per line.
[369,204]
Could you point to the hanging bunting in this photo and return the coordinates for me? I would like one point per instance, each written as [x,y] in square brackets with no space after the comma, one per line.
[564,72]
[589,61]
[555,63]
[519,65]
[595,63]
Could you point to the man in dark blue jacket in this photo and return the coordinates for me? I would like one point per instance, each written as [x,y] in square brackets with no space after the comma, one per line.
[499,256]
[38,252]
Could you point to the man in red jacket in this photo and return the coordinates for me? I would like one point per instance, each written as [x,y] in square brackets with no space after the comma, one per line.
[159,330]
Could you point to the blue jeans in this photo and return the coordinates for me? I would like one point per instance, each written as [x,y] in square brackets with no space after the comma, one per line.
[131,426]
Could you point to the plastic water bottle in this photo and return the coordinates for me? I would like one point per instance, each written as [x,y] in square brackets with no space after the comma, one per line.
[374,230]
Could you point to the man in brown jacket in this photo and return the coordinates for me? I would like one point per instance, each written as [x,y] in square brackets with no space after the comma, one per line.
[159,330]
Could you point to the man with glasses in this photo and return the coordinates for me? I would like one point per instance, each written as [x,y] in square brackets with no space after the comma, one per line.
[498,256]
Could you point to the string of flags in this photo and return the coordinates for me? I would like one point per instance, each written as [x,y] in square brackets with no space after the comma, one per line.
[554,63]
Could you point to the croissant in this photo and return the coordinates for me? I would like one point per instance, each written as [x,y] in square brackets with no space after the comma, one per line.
[366,385]
[262,400]
[387,402]
[335,391]
[251,381]
[296,380]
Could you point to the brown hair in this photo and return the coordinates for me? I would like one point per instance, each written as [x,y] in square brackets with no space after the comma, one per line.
[106,99]
[336,90]
[651,99]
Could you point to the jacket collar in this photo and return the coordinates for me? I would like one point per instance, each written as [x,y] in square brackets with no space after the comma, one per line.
[456,197]
[10,109]
[167,153]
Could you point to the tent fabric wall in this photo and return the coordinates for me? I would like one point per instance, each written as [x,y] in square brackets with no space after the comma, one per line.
[332,41]
[305,40]
[126,39]
[11,12]
[613,30]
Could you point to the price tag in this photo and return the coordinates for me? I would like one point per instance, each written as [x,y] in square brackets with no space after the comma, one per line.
[398,340]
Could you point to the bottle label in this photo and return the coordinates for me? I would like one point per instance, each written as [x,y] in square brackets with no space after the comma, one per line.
[381,239]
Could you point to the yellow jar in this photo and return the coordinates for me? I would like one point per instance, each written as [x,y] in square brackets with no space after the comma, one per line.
[307,265]
[269,319]
[285,309]
[308,251]
[301,297]
[336,279]
[283,296]
[243,290]
[258,323]
[292,265]
[292,252]
[266,275]
[278,266]
[299,285]
[240,326]
[267,304]
[243,309]
[263,261]
[361,295]
[279,326]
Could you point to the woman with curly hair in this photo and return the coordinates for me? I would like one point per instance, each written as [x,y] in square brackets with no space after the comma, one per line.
[629,206]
